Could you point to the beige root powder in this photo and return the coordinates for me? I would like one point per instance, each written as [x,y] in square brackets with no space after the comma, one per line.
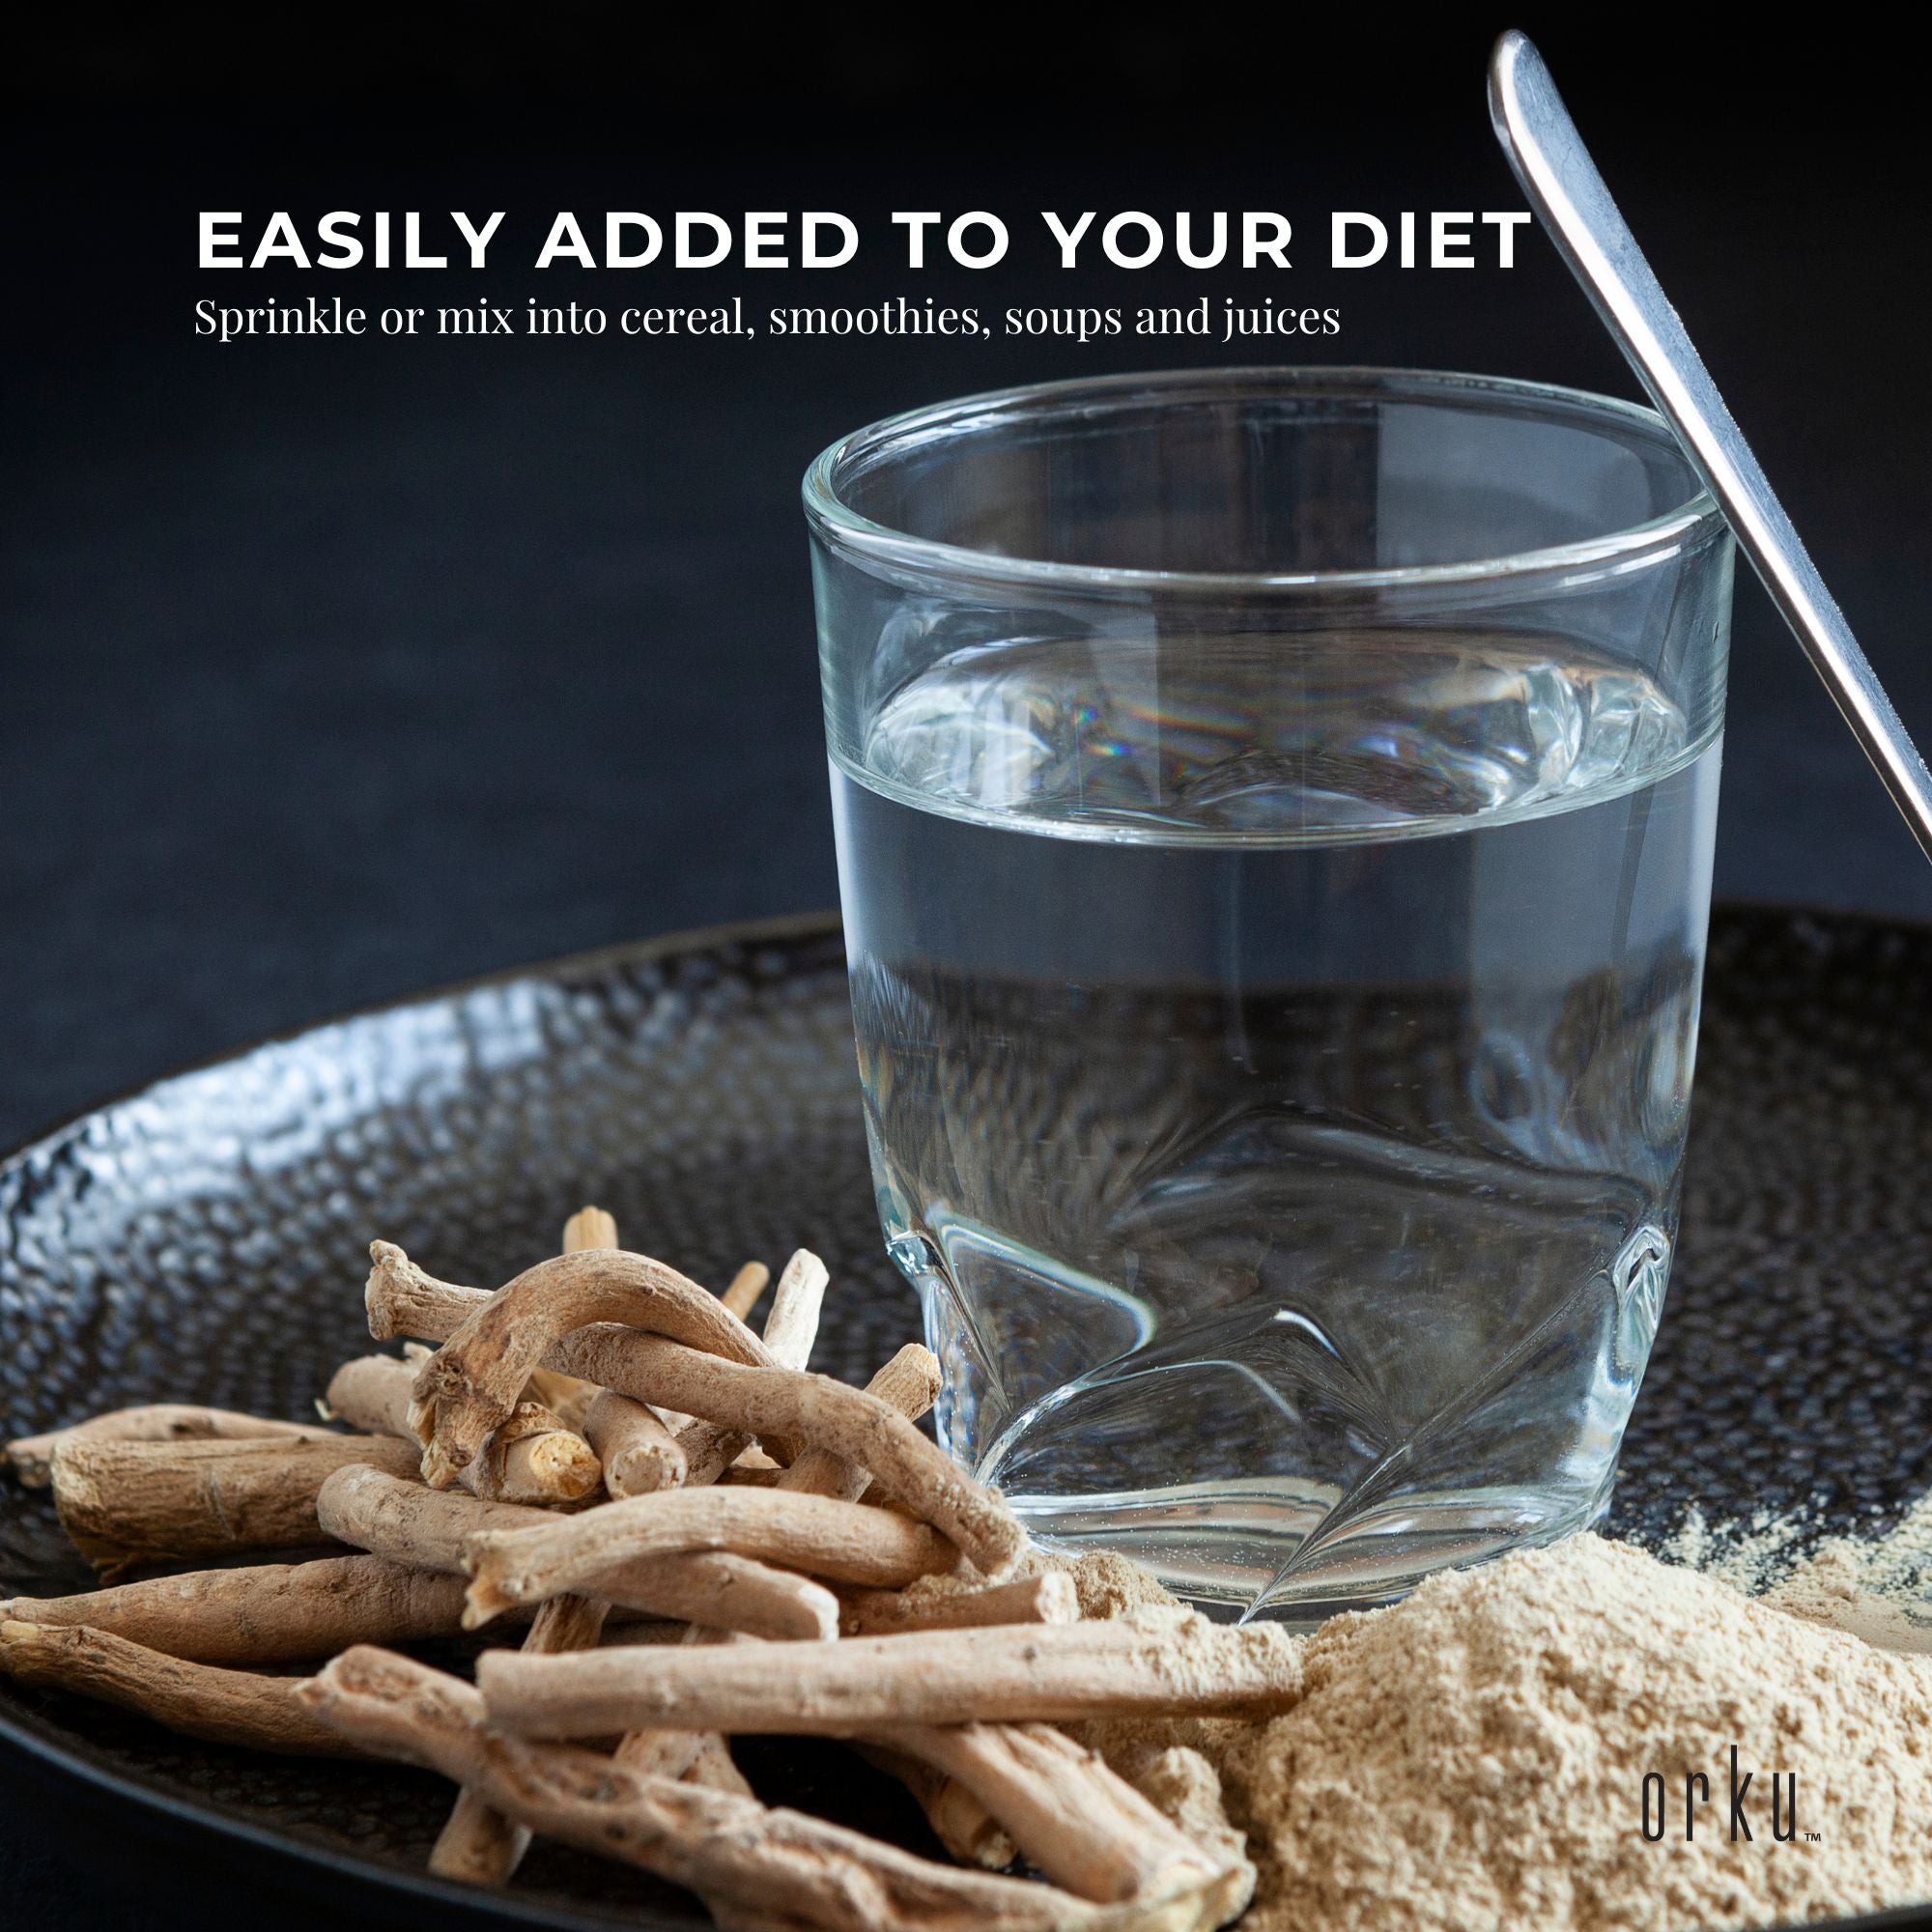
[1478,1756]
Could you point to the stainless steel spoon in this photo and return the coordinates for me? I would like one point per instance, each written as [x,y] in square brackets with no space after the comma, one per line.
[1569,195]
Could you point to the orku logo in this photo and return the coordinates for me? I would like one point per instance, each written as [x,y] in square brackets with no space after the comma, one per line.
[1697,1792]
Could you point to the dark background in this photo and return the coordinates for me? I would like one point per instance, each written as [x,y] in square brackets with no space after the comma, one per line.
[335,668]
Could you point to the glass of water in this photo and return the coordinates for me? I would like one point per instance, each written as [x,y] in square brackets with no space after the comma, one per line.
[1274,814]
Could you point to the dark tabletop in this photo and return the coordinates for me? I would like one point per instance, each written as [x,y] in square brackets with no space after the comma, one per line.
[335,669]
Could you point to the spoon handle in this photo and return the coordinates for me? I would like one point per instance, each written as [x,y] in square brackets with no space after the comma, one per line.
[1569,195]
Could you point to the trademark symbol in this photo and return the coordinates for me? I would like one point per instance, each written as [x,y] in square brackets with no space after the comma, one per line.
[1814,1837]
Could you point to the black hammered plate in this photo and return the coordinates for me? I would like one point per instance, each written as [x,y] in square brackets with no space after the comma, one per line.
[206,1240]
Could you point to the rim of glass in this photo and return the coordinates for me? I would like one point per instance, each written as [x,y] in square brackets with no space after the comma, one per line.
[1695,519]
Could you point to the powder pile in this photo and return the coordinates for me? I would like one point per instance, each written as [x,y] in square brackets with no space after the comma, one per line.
[1477,1755]
[1108,1585]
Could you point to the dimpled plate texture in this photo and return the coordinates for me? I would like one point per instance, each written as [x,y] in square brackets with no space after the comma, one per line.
[206,1240]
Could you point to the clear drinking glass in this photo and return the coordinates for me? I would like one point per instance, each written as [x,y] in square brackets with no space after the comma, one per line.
[1274,814]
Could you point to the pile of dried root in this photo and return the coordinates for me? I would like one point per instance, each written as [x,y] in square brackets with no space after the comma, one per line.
[687,1536]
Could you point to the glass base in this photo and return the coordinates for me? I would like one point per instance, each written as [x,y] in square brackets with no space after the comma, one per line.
[1240,1550]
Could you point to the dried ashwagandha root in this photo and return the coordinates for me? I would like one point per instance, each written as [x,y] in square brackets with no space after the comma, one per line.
[1171,1667]
[680,1753]
[782,1404]
[472,1383]
[266,1614]
[847,1543]
[533,1457]
[395,1516]
[226,1707]
[740,1296]
[479,1845]
[1082,1825]
[400,1519]
[791,1327]
[590,1228]
[714,1766]
[127,1503]
[662,1753]
[564,1396]
[639,1455]
[32,1456]
[721,1590]
[752,1865]
[1102,1835]
[1048,1598]
[371,1394]
[402,1299]
[708,1451]
[568,1397]
[959,1820]
[678,1388]
[807,1520]
[791,1330]
[908,1384]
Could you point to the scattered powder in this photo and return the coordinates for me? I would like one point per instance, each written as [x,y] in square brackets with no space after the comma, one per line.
[1878,1589]
[1746,1556]
[1477,1754]
[1829,1588]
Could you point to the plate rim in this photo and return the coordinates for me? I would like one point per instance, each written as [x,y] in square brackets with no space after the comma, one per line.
[552,966]
[504,1904]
